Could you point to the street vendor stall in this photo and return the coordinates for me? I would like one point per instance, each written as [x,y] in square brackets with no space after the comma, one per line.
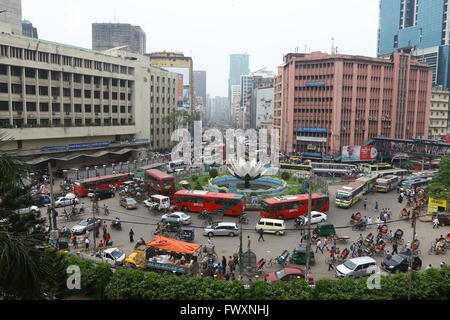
[173,255]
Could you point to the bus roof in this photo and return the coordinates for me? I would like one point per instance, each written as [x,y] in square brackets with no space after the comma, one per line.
[367,178]
[158,174]
[106,177]
[350,187]
[388,177]
[292,198]
[209,194]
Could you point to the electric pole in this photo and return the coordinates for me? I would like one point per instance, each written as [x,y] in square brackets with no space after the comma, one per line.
[411,257]
[308,239]
[52,215]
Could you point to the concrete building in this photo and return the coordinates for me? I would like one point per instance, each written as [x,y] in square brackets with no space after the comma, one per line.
[277,104]
[236,110]
[176,62]
[263,106]
[219,109]
[259,79]
[106,36]
[28,30]
[438,113]
[11,19]
[421,28]
[60,102]
[200,100]
[331,101]
[239,65]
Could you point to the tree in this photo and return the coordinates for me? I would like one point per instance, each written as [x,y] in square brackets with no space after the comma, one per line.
[285,175]
[180,118]
[213,173]
[15,195]
[440,185]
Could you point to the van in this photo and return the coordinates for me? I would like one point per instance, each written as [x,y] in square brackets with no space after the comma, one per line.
[276,226]
[222,229]
[357,267]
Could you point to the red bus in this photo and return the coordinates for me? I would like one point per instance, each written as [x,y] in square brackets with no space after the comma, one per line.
[197,200]
[82,188]
[288,207]
[158,182]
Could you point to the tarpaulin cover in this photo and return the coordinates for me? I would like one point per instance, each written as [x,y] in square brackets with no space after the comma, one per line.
[173,245]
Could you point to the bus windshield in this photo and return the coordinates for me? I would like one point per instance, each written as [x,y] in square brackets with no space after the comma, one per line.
[167,183]
[343,196]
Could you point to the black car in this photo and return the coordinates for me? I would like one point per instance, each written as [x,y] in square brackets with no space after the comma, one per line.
[399,262]
[101,194]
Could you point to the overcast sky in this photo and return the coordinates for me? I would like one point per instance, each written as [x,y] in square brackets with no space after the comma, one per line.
[211,30]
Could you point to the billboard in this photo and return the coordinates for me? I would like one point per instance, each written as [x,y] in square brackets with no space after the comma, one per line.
[359,153]
[311,139]
[183,85]
[308,129]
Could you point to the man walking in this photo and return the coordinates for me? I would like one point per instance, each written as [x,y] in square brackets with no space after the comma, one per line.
[365,203]
[395,248]
[249,242]
[435,223]
[318,246]
[261,235]
[131,234]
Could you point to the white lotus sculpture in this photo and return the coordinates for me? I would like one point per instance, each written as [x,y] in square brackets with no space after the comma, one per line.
[247,170]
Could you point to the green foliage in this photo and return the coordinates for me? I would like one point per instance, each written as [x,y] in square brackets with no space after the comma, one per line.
[285,175]
[194,177]
[198,186]
[181,118]
[440,185]
[129,284]
[213,173]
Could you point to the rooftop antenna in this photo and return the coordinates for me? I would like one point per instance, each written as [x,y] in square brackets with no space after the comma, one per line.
[333,48]
[115,20]
[305,47]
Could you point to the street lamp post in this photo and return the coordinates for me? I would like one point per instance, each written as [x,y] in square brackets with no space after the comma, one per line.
[104,169]
[308,240]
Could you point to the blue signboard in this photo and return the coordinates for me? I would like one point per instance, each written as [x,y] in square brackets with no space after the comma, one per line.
[315,84]
[318,130]
[141,141]
[311,154]
[54,148]
[89,145]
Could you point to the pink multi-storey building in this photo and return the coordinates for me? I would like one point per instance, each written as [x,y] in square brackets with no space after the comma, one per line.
[331,101]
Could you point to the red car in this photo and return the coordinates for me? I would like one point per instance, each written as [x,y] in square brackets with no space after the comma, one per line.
[288,274]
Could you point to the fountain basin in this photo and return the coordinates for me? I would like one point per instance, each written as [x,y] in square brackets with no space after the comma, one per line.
[261,186]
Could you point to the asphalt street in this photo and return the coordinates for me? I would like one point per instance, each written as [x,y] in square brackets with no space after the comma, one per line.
[143,224]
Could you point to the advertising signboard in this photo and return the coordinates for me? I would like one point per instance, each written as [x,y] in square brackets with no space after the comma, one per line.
[359,153]
[306,129]
[311,139]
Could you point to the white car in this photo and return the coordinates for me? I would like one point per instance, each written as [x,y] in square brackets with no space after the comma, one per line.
[316,217]
[65,201]
[177,216]
[32,209]
[114,256]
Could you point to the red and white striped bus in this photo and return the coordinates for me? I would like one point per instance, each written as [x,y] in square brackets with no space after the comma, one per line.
[82,188]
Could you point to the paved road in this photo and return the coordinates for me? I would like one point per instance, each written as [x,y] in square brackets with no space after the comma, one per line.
[143,224]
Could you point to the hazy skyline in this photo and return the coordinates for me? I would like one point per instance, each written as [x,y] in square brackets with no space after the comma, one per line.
[211,30]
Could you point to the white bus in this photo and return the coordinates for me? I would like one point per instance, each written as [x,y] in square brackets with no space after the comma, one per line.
[387,183]
[401,173]
[337,169]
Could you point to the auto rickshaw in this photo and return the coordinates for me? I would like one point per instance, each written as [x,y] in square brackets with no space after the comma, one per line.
[299,256]
[186,234]
[172,226]
[325,229]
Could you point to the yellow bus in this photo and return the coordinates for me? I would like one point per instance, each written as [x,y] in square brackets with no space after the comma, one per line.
[369,182]
[306,168]
[370,168]
[348,195]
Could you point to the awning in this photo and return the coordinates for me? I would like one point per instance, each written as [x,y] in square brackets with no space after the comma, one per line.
[73,155]
[173,245]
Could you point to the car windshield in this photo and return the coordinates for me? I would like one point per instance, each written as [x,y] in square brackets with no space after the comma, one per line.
[397,258]
[83,223]
[184,216]
[131,201]
[117,253]
[350,265]
[280,274]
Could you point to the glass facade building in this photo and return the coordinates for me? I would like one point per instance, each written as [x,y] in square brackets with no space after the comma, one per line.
[239,65]
[419,27]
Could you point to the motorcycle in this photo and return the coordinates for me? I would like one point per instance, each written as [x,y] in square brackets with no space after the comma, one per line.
[116,225]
